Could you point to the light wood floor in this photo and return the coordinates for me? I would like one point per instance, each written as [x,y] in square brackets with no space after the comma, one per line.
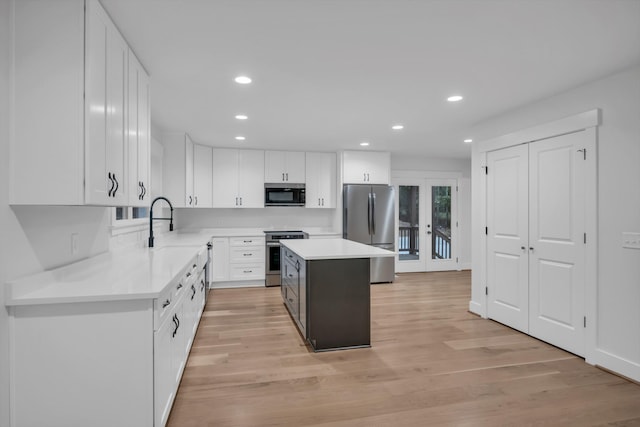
[431,363]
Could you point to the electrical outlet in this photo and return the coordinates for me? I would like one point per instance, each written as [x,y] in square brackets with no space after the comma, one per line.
[630,240]
[75,243]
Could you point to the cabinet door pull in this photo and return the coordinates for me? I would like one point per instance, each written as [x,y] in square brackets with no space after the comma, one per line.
[166,303]
[112,184]
[319,202]
[190,200]
[240,201]
[287,174]
[196,199]
[177,323]
[323,201]
[202,285]
[193,288]
[144,191]
[188,274]
[117,185]
[282,176]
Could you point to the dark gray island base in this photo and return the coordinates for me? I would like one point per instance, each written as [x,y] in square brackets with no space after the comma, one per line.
[339,304]
[329,297]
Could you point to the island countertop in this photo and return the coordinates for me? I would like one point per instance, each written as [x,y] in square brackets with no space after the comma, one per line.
[315,249]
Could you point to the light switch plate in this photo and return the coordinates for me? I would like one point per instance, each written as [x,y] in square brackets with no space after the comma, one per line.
[630,240]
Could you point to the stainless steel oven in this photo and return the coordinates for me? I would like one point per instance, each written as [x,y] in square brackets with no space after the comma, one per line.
[272,253]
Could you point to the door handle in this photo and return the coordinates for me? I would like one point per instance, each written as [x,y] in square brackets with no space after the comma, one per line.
[428,232]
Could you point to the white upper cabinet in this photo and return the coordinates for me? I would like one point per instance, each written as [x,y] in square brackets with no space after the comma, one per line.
[366,167]
[284,166]
[187,176]
[70,144]
[188,167]
[238,178]
[320,180]
[139,135]
[202,176]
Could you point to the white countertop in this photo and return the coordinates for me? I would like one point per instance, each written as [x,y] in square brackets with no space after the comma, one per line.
[314,249]
[126,275]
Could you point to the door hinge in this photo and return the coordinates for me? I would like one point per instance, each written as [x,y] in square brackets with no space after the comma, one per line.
[456,223]
[584,153]
[584,321]
[585,238]
[456,188]
[456,260]
[486,290]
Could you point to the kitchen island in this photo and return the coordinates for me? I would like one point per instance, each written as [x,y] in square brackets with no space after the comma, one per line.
[326,289]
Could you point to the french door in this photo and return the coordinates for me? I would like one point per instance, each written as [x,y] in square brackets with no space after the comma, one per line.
[536,241]
[427,225]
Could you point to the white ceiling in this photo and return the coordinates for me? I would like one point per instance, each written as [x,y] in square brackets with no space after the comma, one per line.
[328,74]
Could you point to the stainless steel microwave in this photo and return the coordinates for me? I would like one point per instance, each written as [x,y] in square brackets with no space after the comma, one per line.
[284,194]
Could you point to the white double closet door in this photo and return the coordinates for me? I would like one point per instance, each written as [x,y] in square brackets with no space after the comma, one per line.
[536,239]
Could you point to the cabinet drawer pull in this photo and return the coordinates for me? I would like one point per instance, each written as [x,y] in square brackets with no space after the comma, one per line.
[247,241]
[179,286]
[166,303]
[247,254]
[248,271]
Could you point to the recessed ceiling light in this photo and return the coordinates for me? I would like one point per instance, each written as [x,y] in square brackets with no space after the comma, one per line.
[241,117]
[397,127]
[468,141]
[240,138]
[243,80]
[364,144]
[454,98]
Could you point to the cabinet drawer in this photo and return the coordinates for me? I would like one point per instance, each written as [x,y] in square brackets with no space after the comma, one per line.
[291,301]
[244,254]
[253,271]
[246,241]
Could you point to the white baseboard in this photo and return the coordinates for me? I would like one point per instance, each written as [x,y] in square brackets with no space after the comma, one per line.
[616,364]
[476,308]
[238,284]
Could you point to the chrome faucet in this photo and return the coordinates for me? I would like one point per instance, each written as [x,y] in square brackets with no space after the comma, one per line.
[151,218]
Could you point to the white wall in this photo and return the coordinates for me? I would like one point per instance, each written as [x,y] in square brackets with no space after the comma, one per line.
[4,214]
[290,218]
[618,96]
[432,164]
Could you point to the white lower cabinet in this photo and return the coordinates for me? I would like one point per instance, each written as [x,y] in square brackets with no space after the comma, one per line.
[238,261]
[105,363]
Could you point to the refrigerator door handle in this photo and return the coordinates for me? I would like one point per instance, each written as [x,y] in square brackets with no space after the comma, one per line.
[369,213]
[373,213]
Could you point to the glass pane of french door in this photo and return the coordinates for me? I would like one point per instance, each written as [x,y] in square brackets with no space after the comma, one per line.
[441,225]
[409,222]
[441,222]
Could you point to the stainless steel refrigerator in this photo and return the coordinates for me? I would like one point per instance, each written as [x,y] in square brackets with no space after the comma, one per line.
[369,218]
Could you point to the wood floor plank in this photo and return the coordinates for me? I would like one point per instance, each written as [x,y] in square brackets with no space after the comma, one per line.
[431,363]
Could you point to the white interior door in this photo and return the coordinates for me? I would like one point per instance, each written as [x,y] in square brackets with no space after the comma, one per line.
[507,237]
[441,224]
[557,241]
